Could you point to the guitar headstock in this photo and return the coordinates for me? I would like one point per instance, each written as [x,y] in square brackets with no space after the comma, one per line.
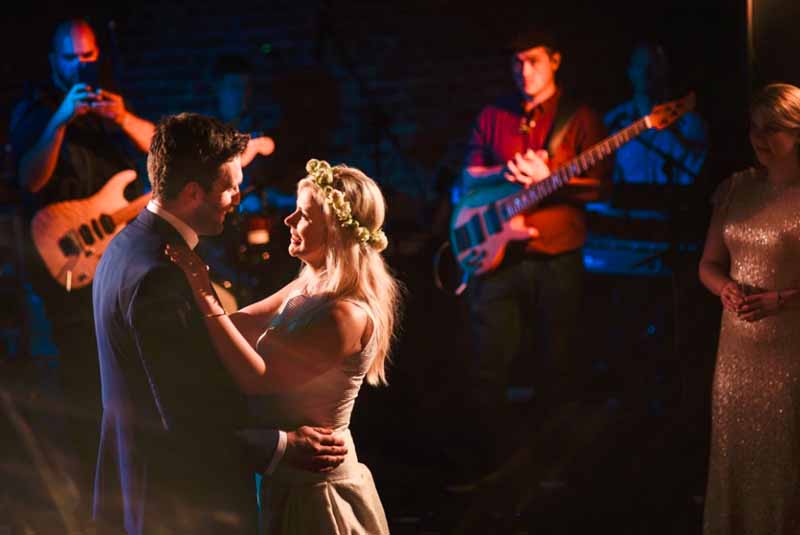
[665,114]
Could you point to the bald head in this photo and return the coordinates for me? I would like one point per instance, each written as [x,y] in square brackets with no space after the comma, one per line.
[72,30]
[74,42]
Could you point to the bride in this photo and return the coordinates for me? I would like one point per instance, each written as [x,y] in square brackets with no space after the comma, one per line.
[303,352]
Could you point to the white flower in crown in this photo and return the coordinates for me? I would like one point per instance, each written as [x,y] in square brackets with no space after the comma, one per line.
[336,198]
[379,241]
[320,171]
[312,165]
[340,206]
[363,234]
[344,213]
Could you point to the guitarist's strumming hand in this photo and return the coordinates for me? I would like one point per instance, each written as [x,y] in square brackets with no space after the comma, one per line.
[528,168]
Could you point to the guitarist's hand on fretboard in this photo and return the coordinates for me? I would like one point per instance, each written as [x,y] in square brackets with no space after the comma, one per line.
[528,168]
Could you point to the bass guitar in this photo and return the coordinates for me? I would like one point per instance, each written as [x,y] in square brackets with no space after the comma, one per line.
[71,236]
[488,218]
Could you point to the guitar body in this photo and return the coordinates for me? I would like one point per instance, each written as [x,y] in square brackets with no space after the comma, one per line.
[478,235]
[71,236]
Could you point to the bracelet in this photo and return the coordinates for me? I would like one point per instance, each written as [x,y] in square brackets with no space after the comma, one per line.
[216,315]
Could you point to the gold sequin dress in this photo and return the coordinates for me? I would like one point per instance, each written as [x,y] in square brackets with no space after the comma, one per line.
[754,472]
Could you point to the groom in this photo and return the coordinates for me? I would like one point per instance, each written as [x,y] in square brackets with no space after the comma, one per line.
[170,459]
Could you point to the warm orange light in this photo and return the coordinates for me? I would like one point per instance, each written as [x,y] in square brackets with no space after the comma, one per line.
[258,230]
[258,237]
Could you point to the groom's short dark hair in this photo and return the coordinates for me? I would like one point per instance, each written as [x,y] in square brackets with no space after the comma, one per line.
[190,147]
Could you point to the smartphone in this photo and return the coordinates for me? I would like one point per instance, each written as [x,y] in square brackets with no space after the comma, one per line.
[89,73]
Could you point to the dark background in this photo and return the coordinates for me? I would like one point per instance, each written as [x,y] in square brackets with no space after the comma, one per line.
[392,88]
[426,67]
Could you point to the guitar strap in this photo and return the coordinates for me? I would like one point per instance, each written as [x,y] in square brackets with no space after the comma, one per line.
[566,110]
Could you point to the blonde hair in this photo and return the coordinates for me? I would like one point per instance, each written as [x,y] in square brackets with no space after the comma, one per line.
[779,105]
[357,270]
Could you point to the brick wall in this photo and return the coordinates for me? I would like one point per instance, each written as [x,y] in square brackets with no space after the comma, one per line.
[390,87]
[399,80]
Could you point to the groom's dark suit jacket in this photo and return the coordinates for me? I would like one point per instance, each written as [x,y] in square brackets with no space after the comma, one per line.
[169,458]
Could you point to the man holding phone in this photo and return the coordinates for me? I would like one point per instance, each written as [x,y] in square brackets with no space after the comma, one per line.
[73,92]
[69,136]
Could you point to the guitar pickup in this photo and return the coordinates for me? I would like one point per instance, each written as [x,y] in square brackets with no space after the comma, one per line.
[476,235]
[86,234]
[461,236]
[68,246]
[96,229]
[107,222]
[492,220]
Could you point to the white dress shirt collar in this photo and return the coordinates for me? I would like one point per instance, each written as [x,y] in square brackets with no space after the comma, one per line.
[189,235]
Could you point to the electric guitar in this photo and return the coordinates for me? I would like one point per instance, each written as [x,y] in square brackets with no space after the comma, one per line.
[488,218]
[71,236]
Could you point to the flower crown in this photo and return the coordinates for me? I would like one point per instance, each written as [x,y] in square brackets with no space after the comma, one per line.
[321,173]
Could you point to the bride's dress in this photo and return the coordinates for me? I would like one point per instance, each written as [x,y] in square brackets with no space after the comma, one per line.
[293,501]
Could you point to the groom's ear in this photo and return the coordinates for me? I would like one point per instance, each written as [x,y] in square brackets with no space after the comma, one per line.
[191,194]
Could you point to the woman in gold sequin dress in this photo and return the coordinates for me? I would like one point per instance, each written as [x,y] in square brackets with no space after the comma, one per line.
[752,261]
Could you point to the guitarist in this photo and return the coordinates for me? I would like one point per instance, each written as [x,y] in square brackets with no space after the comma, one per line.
[539,285]
[69,136]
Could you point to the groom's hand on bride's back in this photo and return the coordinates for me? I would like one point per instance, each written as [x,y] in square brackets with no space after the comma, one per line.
[314,448]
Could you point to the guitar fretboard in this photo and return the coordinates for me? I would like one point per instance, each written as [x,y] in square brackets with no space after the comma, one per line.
[529,197]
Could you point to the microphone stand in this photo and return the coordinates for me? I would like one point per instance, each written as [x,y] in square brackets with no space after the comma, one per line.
[671,258]
[671,164]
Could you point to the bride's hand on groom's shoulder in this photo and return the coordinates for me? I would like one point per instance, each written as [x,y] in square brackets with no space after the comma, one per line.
[192,265]
[314,448]
[196,272]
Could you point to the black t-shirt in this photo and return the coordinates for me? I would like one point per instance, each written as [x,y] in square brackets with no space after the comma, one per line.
[93,149]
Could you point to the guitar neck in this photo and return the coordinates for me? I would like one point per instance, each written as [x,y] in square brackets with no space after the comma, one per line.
[530,197]
[123,215]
